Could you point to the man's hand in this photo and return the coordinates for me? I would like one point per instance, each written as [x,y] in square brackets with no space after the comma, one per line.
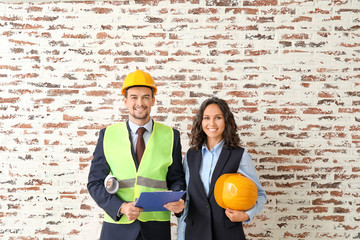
[131,212]
[236,215]
[176,207]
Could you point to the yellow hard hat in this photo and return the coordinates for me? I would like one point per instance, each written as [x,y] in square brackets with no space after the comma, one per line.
[138,78]
[235,191]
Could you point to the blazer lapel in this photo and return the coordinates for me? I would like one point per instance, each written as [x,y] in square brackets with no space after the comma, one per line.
[223,158]
[196,168]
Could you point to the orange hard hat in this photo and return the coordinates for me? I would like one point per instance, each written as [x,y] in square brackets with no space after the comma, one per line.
[138,78]
[235,191]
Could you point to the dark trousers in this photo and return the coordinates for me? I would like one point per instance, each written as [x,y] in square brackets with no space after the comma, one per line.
[137,230]
[139,237]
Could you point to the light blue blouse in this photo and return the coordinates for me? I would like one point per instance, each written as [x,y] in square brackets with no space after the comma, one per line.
[209,160]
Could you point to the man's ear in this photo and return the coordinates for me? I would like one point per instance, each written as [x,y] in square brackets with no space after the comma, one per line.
[153,101]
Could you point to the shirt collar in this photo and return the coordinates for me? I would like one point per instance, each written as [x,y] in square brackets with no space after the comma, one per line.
[216,148]
[148,126]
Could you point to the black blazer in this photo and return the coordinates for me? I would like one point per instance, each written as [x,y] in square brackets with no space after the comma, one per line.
[111,203]
[206,219]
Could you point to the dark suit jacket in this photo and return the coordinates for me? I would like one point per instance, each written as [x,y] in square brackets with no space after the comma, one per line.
[111,203]
[206,219]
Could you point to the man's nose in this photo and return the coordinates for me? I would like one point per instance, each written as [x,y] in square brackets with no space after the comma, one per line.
[139,102]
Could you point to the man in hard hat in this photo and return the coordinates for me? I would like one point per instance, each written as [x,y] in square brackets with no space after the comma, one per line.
[159,167]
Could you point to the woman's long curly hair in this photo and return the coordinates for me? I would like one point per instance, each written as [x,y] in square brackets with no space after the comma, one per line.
[198,136]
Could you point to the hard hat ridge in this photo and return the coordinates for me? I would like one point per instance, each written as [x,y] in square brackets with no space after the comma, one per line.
[138,78]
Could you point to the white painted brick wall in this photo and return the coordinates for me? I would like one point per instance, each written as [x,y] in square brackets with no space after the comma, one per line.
[289,70]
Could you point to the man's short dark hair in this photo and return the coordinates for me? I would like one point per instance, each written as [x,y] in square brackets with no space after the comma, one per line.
[152,90]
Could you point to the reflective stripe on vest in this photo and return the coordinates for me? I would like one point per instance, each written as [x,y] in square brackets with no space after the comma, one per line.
[152,172]
[146,182]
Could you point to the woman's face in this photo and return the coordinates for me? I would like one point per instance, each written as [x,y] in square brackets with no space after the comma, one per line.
[213,123]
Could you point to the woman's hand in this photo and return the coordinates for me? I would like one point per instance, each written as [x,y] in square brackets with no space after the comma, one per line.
[175,207]
[236,215]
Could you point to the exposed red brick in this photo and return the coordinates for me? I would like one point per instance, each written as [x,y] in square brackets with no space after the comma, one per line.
[330,151]
[295,36]
[76,36]
[349,110]
[198,11]
[247,11]
[302,19]
[85,207]
[295,152]
[22,42]
[9,100]
[316,111]
[296,235]
[259,3]
[60,92]
[290,185]
[22,125]
[98,93]
[280,111]
[184,102]
[277,193]
[314,209]
[332,201]
[56,125]
[99,10]
[347,177]
[71,118]
[46,231]
[93,126]
[293,168]
[125,60]
[330,218]
[174,110]
[104,35]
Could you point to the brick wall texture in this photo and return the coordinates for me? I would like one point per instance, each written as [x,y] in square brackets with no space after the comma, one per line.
[290,71]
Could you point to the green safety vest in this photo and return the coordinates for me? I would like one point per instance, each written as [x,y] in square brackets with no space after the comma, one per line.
[152,171]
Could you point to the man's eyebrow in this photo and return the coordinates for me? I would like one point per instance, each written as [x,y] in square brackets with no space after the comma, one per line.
[145,95]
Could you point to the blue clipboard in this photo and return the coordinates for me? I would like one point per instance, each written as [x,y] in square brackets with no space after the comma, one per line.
[154,201]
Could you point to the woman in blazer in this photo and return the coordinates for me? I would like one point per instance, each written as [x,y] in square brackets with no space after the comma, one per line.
[215,151]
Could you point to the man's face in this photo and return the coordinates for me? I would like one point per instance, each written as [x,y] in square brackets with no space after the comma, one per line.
[139,101]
